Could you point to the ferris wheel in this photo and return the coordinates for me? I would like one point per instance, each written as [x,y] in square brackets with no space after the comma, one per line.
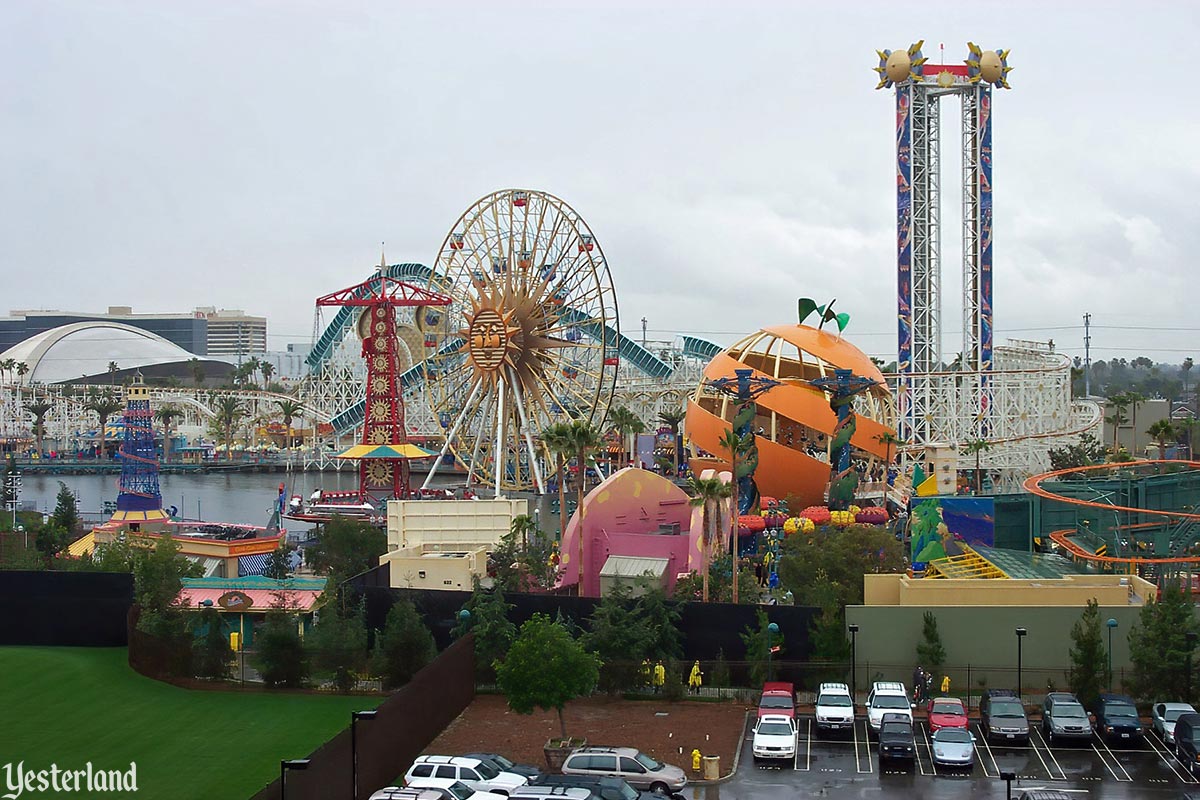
[531,338]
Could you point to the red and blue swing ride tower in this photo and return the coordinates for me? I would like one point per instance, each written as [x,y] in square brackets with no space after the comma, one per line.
[383,454]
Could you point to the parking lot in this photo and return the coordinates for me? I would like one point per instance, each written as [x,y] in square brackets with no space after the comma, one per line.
[847,766]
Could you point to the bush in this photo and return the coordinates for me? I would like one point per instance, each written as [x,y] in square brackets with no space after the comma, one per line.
[213,655]
[338,643]
[281,659]
[405,645]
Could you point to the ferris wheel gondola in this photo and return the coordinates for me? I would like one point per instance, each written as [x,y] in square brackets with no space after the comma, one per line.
[536,314]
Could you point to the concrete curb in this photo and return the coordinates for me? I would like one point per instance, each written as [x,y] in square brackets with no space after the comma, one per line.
[737,756]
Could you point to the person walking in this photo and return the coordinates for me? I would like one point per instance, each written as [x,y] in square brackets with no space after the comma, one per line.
[918,683]
[945,684]
[660,677]
[695,679]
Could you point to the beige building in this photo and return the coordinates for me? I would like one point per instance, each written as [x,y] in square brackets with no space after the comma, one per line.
[232,331]
[442,544]
[1134,438]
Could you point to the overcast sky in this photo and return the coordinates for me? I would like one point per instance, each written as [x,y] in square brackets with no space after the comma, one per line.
[729,157]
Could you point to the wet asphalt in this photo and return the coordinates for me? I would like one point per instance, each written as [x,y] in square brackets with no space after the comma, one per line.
[847,766]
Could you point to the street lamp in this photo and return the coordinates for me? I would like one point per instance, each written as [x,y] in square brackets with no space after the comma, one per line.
[284,766]
[772,629]
[1008,778]
[1112,624]
[1191,645]
[355,716]
[853,662]
[1020,635]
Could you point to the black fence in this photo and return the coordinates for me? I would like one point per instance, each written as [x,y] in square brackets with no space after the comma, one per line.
[706,627]
[405,724]
[65,609]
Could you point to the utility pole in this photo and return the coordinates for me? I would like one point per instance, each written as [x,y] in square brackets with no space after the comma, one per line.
[643,331]
[1087,355]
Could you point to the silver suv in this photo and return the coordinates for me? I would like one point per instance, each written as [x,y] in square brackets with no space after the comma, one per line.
[639,769]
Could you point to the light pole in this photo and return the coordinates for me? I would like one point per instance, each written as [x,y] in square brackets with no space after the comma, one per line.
[284,766]
[1020,635]
[853,662]
[1112,624]
[772,629]
[355,716]
[1191,645]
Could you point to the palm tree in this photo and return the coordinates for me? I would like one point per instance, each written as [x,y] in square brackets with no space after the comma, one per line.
[1119,403]
[1135,399]
[672,419]
[626,423]
[22,369]
[977,447]
[166,415]
[732,442]
[197,371]
[39,409]
[888,440]
[6,367]
[112,373]
[1161,431]
[585,440]
[709,492]
[1185,368]
[228,413]
[267,369]
[557,440]
[104,407]
[289,410]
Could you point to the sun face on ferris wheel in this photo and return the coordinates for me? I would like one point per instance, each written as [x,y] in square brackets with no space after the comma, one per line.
[535,333]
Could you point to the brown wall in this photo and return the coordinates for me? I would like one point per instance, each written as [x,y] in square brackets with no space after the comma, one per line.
[407,722]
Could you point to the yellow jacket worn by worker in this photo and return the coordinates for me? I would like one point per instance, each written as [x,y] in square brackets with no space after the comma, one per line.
[696,678]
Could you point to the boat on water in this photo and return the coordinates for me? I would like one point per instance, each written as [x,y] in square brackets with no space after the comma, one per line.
[322,506]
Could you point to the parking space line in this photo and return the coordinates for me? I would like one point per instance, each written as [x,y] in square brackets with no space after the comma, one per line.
[1100,755]
[1171,759]
[988,748]
[1062,776]
[929,748]
[866,748]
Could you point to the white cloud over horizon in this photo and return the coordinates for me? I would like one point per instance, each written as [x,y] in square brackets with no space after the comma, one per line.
[729,157]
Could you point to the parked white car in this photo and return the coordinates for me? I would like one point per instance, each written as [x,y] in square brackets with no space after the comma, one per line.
[445,789]
[1163,716]
[479,775]
[835,707]
[774,737]
[887,697]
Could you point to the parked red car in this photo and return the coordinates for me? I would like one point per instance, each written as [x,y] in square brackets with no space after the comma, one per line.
[947,712]
[778,697]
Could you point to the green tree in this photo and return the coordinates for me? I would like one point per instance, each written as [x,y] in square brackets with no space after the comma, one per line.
[1088,451]
[103,406]
[585,440]
[707,493]
[167,416]
[1162,431]
[757,650]
[843,557]
[487,619]
[617,639]
[1089,659]
[404,645]
[345,548]
[39,409]
[1135,400]
[280,656]
[213,655]
[546,668]
[521,558]
[977,447]
[279,562]
[660,617]
[623,421]
[338,644]
[734,444]
[66,510]
[557,441]
[930,652]
[718,674]
[1158,645]
[158,575]
[889,440]
[228,414]
[197,368]
[672,418]
[827,633]
[289,410]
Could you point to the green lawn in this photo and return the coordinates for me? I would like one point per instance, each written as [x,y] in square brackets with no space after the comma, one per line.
[70,705]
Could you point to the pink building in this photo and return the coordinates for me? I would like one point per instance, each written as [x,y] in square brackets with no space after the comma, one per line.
[635,513]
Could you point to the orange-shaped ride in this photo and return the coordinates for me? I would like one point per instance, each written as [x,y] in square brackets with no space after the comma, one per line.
[793,417]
